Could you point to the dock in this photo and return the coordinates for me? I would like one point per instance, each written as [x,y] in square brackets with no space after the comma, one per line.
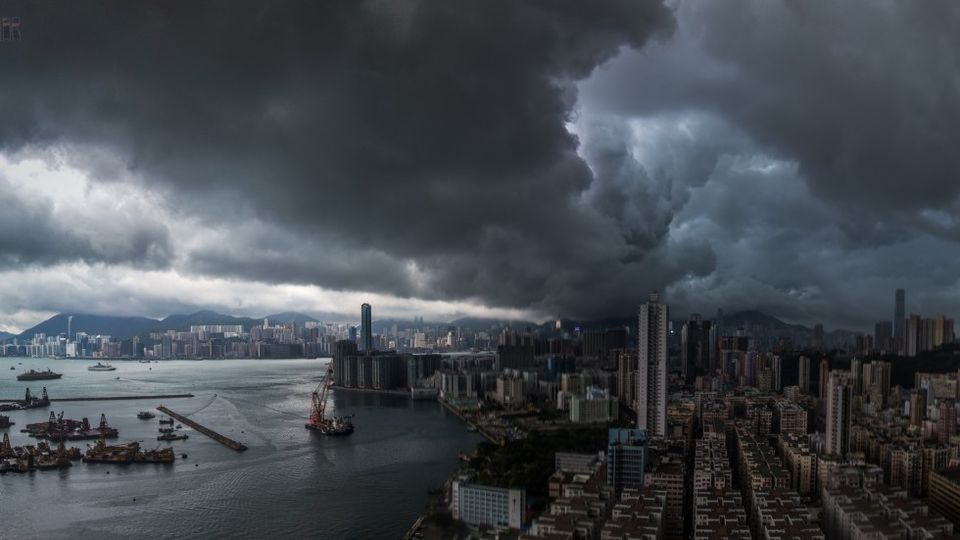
[229,443]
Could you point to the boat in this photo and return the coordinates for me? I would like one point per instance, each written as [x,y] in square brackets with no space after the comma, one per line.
[28,402]
[172,437]
[12,368]
[101,367]
[166,430]
[145,415]
[5,422]
[57,428]
[318,420]
[338,425]
[34,375]
[471,428]
[166,421]
[127,453]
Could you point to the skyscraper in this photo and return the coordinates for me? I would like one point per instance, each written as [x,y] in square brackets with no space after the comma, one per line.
[883,336]
[804,374]
[366,327]
[839,407]
[824,381]
[899,314]
[652,367]
[694,347]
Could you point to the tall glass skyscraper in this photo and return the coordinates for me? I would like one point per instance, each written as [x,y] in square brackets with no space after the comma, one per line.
[366,327]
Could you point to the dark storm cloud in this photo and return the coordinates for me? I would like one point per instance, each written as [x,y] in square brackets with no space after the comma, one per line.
[865,97]
[829,175]
[430,132]
[791,156]
[33,234]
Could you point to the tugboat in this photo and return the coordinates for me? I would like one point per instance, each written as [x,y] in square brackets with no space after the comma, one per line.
[145,415]
[101,367]
[34,375]
[173,437]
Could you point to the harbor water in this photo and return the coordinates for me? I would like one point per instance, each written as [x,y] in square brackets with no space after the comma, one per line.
[291,482]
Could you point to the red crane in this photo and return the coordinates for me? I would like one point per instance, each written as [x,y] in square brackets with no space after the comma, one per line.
[318,421]
[318,405]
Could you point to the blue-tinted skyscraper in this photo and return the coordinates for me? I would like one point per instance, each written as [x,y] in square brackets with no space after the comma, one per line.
[366,327]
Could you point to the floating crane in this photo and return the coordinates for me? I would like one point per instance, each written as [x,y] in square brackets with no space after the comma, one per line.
[334,425]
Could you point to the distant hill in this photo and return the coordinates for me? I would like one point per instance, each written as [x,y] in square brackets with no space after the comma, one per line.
[754,318]
[125,327]
[183,322]
[756,324]
[92,324]
[289,317]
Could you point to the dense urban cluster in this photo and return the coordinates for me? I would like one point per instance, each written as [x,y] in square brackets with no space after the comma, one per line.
[709,433]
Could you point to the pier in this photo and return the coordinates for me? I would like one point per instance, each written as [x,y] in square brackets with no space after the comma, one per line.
[229,443]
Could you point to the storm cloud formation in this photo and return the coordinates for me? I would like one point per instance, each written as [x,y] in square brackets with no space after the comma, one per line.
[553,157]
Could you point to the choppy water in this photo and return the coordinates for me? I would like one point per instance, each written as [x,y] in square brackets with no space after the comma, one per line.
[290,483]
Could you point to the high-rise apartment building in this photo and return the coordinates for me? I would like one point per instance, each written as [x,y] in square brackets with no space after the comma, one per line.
[803,373]
[694,347]
[918,407]
[824,374]
[366,327]
[947,420]
[652,367]
[839,411]
[883,336]
[899,316]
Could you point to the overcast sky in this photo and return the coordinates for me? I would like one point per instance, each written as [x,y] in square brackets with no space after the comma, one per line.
[490,158]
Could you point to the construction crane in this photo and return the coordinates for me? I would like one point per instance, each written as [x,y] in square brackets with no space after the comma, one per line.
[318,421]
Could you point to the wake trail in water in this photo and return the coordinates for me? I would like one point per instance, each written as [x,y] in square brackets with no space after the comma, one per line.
[209,403]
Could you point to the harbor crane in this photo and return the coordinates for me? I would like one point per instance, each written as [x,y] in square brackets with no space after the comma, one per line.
[318,421]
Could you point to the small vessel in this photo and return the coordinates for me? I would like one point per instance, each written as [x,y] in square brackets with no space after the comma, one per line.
[166,430]
[172,437]
[145,415]
[101,367]
[5,422]
[471,428]
[166,421]
[319,421]
[34,375]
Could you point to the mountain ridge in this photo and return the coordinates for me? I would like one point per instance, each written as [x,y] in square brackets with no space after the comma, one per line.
[127,326]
